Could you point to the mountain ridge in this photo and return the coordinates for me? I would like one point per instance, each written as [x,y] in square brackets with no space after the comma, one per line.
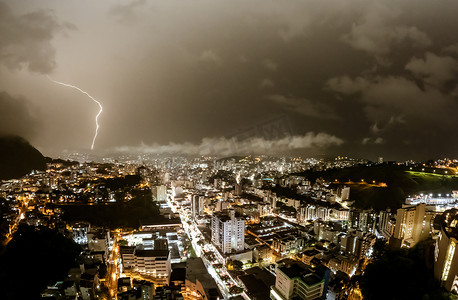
[18,157]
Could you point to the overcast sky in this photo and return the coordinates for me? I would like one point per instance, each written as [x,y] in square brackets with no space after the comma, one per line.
[356,77]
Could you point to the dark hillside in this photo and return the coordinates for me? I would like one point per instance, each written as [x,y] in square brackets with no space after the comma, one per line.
[384,186]
[18,157]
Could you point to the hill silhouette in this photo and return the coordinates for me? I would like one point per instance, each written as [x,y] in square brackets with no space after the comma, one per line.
[387,186]
[18,157]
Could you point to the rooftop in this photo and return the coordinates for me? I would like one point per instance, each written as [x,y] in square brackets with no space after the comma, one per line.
[311,252]
[302,272]
[151,253]
[255,287]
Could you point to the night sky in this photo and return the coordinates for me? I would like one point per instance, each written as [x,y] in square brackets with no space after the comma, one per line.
[356,77]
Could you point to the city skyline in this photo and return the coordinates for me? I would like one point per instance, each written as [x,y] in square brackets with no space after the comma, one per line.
[363,79]
[253,227]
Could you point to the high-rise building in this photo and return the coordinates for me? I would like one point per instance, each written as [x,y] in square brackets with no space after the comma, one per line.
[384,225]
[273,202]
[363,220]
[410,224]
[340,214]
[166,177]
[365,244]
[238,189]
[80,231]
[322,213]
[228,231]
[159,193]
[263,209]
[299,281]
[127,257]
[154,263]
[99,240]
[221,205]
[197,205]
[343,193]
[446,254]
[310,212]
[348,243]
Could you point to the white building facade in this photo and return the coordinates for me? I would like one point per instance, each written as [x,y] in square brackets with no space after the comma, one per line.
[228,231]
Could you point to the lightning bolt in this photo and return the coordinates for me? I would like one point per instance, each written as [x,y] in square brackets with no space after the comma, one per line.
[93,99]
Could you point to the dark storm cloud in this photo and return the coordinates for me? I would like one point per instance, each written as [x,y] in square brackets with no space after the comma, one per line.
[303,106]
[380,27]
[127,13]
[26,40]
[409,96]
[17,116]
[370,77]
[439,72]
[414,113]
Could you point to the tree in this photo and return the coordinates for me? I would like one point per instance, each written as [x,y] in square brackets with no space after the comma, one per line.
[123,243]
[249,263]
[38,256]
[380,247]
[238,265]
[229,265]
[406,274]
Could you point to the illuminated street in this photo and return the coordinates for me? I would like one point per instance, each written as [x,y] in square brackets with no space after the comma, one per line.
[14,225]
[113,270]
[195,236]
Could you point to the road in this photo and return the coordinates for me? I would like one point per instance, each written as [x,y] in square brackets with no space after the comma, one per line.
[195,235]
[13,226]
[113,270]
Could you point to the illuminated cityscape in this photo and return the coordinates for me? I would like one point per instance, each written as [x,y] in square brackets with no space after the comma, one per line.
[219,228]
